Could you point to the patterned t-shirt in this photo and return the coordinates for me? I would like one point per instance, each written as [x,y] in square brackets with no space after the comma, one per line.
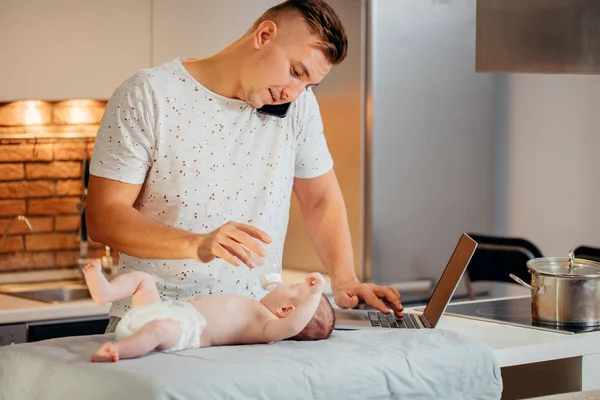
[204,159]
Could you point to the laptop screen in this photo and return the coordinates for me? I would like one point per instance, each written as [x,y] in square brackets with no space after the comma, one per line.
[449,280]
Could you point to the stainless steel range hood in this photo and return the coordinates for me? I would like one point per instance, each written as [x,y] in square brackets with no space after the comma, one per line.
[538,36]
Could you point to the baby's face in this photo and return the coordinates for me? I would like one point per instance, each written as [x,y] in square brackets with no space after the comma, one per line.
[284,295]
[282,300]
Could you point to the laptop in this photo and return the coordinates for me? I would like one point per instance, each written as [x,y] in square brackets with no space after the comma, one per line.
[373,319]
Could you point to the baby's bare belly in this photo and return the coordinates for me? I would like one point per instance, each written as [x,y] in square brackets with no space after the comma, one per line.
[229,318]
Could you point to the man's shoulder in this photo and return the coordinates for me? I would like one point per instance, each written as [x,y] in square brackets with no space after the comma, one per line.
[153,77]
[305,101]
[305,109]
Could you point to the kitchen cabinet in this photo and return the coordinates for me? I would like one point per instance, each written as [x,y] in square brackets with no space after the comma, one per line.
[72,327]
[64,49]
[195,28]
[43,330]
[13,334]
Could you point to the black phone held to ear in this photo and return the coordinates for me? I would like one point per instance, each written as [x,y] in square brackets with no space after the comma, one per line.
[276,110]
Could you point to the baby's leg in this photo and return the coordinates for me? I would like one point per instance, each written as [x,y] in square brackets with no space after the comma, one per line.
[156,335]
[106,353]
[138,284]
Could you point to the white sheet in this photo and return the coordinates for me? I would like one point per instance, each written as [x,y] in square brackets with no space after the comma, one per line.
[386,364]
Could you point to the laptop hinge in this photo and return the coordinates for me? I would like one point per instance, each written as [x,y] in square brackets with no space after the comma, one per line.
[425,321]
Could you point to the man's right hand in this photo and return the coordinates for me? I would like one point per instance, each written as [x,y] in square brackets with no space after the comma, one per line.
[231,242]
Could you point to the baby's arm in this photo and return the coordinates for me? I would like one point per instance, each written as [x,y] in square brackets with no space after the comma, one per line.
[279,329]
[137,284]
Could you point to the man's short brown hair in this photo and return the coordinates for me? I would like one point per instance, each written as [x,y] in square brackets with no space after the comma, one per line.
[321,20]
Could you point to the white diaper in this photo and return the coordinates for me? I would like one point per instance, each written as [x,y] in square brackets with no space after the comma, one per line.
[191,321]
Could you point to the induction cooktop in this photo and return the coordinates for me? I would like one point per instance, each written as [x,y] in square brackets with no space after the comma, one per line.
[510,312]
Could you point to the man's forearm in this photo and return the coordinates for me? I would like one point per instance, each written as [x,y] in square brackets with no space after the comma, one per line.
[327,224]
[127,230]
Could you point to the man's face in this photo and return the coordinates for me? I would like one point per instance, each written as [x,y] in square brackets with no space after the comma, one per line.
[285,64]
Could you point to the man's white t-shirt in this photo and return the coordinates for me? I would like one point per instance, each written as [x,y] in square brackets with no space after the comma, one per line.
[203,160]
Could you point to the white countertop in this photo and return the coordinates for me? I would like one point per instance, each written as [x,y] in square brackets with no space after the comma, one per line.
[15,309]
[514,345]
[511,345]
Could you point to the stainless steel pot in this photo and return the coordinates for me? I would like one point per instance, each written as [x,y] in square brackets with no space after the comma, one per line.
[565,291]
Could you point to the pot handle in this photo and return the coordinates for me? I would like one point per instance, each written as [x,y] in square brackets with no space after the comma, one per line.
[571,261]
[522,283]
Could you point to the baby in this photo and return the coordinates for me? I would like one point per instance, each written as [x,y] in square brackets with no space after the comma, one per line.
[299,311]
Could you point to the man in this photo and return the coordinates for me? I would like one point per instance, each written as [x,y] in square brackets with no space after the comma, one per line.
[187,177]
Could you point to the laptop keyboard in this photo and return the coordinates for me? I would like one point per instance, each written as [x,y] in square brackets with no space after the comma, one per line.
[379,319]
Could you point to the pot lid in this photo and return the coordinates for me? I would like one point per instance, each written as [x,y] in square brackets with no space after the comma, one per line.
[565,266]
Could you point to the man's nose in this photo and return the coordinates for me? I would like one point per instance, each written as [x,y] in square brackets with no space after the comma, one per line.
[292,92]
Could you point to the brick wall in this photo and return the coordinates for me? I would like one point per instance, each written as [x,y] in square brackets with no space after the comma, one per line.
[42,180]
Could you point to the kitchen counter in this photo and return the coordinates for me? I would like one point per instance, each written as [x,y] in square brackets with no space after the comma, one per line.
[15,309]
[525,354]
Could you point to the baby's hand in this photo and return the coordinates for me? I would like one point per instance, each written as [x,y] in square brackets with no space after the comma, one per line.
[315,281]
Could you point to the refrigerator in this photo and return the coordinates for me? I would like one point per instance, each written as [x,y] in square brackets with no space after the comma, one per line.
[409,123]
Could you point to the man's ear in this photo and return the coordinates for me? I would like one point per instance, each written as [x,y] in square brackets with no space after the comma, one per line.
[266,31]
[283,312]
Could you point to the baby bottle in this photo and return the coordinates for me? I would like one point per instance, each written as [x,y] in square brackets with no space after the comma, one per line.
[268,268]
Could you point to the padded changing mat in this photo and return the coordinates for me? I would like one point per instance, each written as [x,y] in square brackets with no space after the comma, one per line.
[368,364]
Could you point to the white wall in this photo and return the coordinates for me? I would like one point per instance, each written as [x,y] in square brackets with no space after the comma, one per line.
[433,125]
[64,49]
[200,28]
[547,149]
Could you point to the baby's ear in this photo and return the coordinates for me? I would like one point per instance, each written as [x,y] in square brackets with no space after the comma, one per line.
[283,312]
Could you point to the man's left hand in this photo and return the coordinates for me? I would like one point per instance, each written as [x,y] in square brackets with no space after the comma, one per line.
[349,294]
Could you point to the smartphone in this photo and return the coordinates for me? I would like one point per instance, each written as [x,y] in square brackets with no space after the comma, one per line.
[276,110]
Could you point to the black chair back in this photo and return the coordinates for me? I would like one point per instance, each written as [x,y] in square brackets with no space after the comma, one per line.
[497,257]
[588,253]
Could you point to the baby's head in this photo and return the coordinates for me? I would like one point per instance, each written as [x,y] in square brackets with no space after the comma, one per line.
[321,324]
[283,300]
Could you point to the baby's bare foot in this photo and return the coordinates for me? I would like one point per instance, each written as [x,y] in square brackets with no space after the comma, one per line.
[90,267]
[97,284]
[106,353]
